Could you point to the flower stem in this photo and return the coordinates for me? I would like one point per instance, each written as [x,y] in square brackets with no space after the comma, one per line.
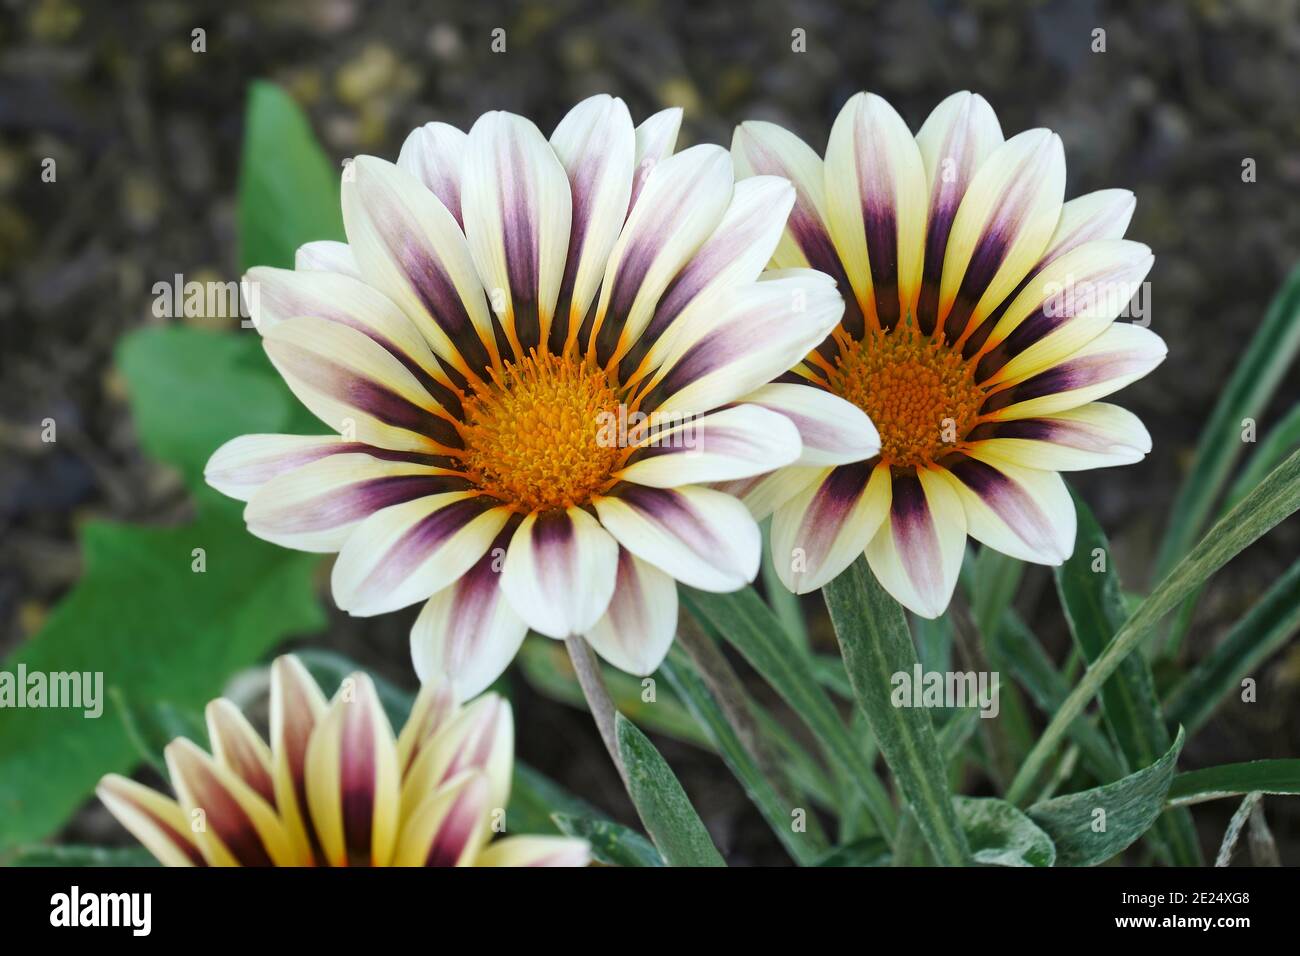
[599,702]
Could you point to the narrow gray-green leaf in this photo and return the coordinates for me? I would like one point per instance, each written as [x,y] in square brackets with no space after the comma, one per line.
[1262,632]
[661,802]
[1235,826]
[1246,395]
[867,851]
[873,636]
[1235,779]
[749,625]
[45,854]
[802,845]
[1093,601]
[1276,498]
[784,603]
[1031,666]
[611,843]
[1002,835]
[1094,825]
[1282,439]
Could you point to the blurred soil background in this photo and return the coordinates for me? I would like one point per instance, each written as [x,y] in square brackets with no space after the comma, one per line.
[146,135]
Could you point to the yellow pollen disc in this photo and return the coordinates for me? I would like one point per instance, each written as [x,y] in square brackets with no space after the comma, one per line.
[920,394]
[534,437]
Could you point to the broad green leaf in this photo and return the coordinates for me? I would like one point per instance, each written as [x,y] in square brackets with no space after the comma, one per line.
[1276,498]
[191,390]
[546,666]
[1263,631]
[873,636]
[1093,602]
[66,854]
[288,190]
[1236,779]
[749,625]
[1094,825]
[661,802]
[157,631]
[1001,835]
[1256,376]
[804,847]
[611,843]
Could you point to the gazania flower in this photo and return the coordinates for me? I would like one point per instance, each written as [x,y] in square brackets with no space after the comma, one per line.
[335,788]
[530,354]
[978,336]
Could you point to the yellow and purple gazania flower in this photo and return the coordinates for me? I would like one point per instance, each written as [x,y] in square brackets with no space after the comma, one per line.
[509,348]
[978,335]
[336,788]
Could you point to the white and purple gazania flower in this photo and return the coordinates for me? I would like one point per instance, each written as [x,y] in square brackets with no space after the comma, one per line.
[978,336]
[336,788]
[501,301]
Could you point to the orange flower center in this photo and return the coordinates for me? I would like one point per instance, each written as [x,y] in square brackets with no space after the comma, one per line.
[534,437]
[920,394]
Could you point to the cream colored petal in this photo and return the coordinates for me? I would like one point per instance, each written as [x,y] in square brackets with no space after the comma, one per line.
[353,782]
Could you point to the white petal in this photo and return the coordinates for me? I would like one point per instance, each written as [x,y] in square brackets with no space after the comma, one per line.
[1023,512]
[638,626]
[597,145]
[518,212]
[435,155]
[918,550]
[699,536]
[410,551]
[822,530]
[411,248]
[832,430]
[559,571]
[326,255]
[738,442]
[682,203]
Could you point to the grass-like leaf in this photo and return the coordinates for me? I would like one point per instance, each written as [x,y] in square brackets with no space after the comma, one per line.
[749,625]
[1235,779]
[661,802]
[873,636]
[1276,498]
[1089,588]
[1092,826]
[1265,628]
[1246,395]
[803,845]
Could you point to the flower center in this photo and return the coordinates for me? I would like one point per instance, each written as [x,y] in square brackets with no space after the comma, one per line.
[533,437]
[920,394]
